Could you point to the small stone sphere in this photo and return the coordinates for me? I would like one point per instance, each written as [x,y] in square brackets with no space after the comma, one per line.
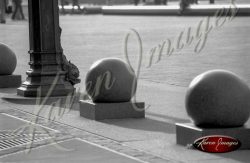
[110,80]
[8,60]
[218,98]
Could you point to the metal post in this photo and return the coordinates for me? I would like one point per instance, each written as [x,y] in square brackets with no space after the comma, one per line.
[46,63]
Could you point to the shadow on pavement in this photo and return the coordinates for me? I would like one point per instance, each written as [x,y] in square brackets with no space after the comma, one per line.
[169,118]
[144,124]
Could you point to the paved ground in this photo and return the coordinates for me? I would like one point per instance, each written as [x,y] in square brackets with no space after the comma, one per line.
[86,39]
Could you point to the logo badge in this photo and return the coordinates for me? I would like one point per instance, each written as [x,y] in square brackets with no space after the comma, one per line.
[217,144]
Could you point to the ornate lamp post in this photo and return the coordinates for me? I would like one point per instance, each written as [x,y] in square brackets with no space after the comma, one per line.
[49,69]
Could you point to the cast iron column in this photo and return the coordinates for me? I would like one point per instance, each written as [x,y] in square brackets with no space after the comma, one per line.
[45,52]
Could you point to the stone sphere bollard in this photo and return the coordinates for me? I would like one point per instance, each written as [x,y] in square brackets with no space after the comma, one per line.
[110,80]
[218,98]
[8,60]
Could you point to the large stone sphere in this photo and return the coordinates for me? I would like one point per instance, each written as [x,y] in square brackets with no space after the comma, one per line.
[218,98]
[110,80]
[8,60]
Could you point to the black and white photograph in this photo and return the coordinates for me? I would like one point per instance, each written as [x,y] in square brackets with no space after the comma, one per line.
[124,81]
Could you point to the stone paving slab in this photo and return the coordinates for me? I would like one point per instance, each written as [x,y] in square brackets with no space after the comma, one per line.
[152,135]
[164,147]
[8,123]
[66,132]
[74,151]
[16,134]
[161,116]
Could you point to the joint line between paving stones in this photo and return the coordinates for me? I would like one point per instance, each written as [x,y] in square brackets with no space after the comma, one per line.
[59,123]
[91,134]
[111,150]
[29,122]
[37,147]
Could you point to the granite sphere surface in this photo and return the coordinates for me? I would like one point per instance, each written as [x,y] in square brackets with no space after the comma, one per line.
[218,98]
[8,60]
[111,80]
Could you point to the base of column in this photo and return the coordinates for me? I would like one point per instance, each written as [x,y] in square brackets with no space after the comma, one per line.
[45,90]
[32,92]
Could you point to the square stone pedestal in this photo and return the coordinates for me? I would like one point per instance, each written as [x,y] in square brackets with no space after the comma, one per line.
[10,81]
[187,133]
[100,111]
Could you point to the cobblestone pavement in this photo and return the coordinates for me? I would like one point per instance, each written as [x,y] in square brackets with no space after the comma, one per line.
[67,132]
[88,38]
